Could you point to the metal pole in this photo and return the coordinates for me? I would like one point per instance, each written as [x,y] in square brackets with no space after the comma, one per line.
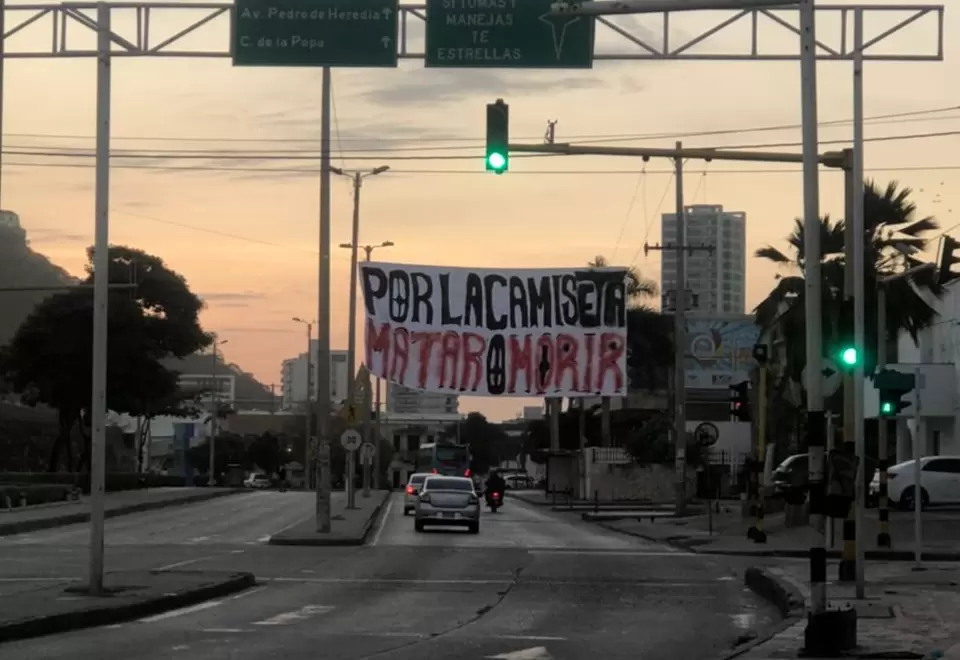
[680,344]
[832,528]
[214,420]
[761,536]
[917,486]
[3,31]
[352,338]
[308,448]
[368,251]
[323,317]
[846,570]
[553,405]
[367,400]
[101,279]
[812,303]
[349,481]
[883,536]
[859,293]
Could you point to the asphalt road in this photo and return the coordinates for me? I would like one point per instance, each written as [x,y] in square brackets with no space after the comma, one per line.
[532,585]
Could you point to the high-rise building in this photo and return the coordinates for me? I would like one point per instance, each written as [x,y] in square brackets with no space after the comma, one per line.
[294,377]
[717,279]
[406,400]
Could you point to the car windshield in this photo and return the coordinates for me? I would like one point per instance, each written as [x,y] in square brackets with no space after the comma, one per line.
[449,484]
[416,481]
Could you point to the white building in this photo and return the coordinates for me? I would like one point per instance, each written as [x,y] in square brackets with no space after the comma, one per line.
[408,401]
[294,377]
[717,279]
[935,363]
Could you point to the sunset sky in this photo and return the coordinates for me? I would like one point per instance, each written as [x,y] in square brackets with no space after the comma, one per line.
[246,239]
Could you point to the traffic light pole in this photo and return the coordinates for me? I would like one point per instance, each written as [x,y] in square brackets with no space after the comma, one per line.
[883,426]
[917,489]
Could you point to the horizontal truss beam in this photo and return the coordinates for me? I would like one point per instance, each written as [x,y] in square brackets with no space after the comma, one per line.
[70,32]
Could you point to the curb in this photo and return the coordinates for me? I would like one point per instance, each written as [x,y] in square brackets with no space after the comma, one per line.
[10,528]
[109,615]
[318,541]
[694,544]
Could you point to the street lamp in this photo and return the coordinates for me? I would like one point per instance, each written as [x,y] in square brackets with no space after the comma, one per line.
[307,446]
[357,177]
[214,420]
[368,251]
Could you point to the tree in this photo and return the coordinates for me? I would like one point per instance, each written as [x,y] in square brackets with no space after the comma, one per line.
[638,286]
[489,444]
[649,348]
[889,222]
[52,349]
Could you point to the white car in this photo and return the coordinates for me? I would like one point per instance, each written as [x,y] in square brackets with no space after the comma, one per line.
[939,482]
[257,480]
[448,501]
[412,491]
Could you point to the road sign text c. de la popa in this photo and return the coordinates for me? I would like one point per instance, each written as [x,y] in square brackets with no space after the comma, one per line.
[358,33]
[521,34]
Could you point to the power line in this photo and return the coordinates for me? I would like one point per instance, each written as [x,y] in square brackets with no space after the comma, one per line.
[305,156]
[923,115]
[316,171]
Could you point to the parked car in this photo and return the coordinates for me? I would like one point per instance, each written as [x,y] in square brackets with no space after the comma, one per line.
[939,482]
[257,480]
[791,479]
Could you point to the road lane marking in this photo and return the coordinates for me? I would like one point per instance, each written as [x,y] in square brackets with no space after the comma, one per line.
[244,594]
[383,522]
[504,580]
[228,631]
[612,553]
[199,539]
[533,638]
[287,618]
[184,610]
[179,564]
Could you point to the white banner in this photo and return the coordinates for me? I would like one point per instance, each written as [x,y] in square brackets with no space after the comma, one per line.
[484,332]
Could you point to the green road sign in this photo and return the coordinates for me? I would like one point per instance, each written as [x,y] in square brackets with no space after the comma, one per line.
[511,34]
[315,33]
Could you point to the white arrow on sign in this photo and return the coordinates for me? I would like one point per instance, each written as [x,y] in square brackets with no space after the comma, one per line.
[385,41]
[830,377]
[350,440]
[534,653]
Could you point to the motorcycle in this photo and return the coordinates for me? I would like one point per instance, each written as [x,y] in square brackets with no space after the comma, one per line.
[494,500]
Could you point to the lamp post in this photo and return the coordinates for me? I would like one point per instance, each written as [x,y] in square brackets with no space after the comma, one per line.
[368,252]
[307,408]
[357,177]
[215,418]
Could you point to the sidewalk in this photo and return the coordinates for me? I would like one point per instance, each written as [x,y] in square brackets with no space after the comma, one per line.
[347,526]
[906,614]
[562,502]
[19,521]
[941,535]
[46,608]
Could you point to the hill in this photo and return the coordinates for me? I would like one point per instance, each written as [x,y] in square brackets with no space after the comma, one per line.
[23,273]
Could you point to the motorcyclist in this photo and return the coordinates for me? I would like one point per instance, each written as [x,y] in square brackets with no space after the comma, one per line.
[495,484]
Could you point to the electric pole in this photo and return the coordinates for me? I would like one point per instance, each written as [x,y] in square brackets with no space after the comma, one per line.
[681,250]
[308,449]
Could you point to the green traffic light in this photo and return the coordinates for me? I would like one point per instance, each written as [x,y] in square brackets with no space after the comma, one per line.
[496,160]
[886,408]
[849,356]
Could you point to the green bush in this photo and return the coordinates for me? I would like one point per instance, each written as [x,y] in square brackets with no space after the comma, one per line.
[34,494]
[115,481]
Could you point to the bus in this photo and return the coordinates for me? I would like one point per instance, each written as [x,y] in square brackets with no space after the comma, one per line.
[451,460]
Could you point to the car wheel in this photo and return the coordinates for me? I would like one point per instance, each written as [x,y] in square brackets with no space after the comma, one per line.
[474,528]
[418,525]
[906,499]
[406,512]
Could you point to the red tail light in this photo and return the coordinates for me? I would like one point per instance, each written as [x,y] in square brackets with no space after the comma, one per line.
[466,472]
[410,490]
[434,470]
[496,495]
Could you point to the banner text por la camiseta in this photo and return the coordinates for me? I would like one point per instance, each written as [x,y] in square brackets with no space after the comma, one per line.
[523,332]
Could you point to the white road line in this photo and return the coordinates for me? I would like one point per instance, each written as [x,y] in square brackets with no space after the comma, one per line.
[383,522]
[613,553]
[179,564]
[198,539]
[533,638]
[226,630]
[184,610]
[244,594]
[381,581]
[40,579]
[287,618]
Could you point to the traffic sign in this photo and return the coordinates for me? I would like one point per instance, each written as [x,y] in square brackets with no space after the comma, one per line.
[830,379]
[350,440]
[367,451]
[314,33]
[518,34]
[706,434]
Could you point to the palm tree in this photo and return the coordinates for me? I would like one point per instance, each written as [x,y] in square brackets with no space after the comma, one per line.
[890,226]
[638,286]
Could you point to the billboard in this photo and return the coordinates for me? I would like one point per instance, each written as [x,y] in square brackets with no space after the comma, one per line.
[719,350]
[497,332]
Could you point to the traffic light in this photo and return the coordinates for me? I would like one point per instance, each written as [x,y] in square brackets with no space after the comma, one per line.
[947,260]
[848,353]
[498,137]
[740,401]
[893,385]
